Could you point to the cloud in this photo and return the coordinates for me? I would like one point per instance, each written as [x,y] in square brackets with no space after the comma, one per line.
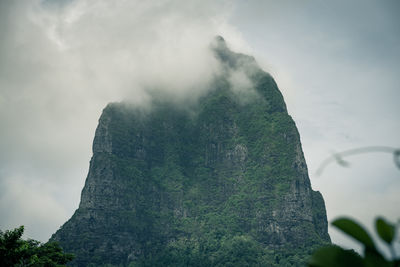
[242,86]
[62,62]
[130,45]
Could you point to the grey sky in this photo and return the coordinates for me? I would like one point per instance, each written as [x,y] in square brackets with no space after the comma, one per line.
[61,62]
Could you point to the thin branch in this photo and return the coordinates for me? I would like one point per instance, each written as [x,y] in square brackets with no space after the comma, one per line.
[338,157]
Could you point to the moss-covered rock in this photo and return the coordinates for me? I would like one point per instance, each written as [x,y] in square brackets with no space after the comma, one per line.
[221,183]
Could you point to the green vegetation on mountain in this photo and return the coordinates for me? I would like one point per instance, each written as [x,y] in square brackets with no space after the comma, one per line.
[222,182]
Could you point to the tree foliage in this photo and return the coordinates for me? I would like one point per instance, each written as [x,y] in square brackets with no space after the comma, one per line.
[14,251]
[336,256]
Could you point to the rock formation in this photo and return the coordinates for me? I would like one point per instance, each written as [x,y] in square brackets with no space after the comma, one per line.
[221,183]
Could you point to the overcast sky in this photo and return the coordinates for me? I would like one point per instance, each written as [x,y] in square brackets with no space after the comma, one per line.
[61,62]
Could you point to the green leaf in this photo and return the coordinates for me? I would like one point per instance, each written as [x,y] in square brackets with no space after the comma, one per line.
[354,230]
[396,157]
[374,258]
[333,256]
[385,230]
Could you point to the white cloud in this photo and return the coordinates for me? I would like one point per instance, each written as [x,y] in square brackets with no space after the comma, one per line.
[62,62]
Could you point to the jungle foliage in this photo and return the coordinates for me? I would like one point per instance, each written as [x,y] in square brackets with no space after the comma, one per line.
[14,251]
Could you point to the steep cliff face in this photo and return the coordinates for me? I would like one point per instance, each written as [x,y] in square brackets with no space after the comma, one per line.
[222,182]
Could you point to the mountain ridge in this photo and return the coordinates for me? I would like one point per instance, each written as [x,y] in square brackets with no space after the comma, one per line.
[168,187]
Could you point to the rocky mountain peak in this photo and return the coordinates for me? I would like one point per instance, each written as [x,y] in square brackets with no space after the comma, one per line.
[169,188]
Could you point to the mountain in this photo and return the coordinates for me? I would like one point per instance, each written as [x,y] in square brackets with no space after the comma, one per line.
[219,182]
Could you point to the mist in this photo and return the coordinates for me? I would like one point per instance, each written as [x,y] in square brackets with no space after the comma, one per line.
[62,62]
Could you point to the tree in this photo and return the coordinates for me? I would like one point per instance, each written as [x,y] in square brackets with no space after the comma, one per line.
[14,251]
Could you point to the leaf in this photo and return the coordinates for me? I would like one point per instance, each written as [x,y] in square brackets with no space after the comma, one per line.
[385,230]
[396,157]
[354,230]
[374,258]
[332,256]
[341,161]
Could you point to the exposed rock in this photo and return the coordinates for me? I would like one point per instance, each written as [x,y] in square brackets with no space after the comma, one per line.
[165,182]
